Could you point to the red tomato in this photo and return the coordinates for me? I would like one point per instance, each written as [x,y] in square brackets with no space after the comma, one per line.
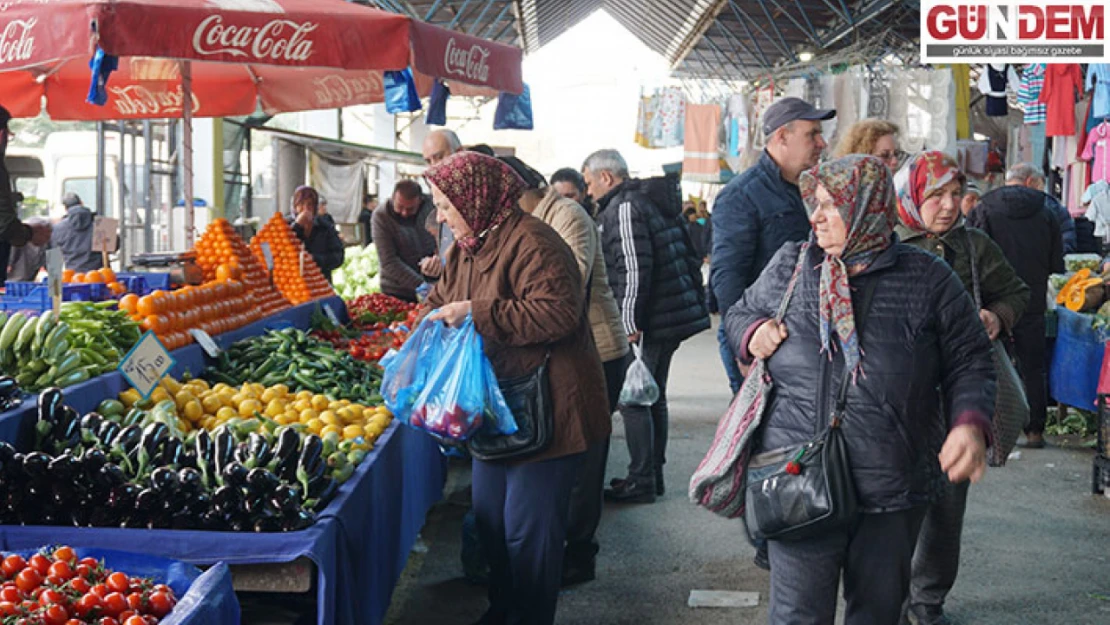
[83,570]
[164,588]
[80,585]
[52,597]
[41,564]
[90,562]
[12,565]
[115,604]
[107,620]
[28,580]
[61,569]
[55,615]
[74,621]
[161,604]
[8,608]
[139,584]
[65,554]
[135,620]
[101,590]
[54,580]
[87,604]
[119,582]
[11,594]
[29,606]
[135,601]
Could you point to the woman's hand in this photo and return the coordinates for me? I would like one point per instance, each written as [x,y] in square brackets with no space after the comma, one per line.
[452,314]
[766,340]
[964,455]
[431,267]
[991,323]
[304,218]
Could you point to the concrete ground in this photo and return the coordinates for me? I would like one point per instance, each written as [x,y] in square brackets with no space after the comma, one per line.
[1036,542]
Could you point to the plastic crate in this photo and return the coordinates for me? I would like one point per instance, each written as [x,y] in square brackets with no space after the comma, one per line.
[144,283]
[36,295]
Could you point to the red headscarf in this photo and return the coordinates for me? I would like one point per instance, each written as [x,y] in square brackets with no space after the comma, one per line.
[484,190]
[923,175]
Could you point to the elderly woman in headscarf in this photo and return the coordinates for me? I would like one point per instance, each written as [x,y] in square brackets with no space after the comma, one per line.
[929,191]
[520,284]
[914,352]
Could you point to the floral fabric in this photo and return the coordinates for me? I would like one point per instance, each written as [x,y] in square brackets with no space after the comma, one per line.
[484,190]
[922,175]
[863,191]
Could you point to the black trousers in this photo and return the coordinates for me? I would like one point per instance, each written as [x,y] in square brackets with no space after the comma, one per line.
[936,561]
[1031,345]
[874,557]
[586,498]
[645,428]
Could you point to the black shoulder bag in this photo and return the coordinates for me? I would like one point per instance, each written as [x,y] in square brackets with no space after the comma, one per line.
[804,490]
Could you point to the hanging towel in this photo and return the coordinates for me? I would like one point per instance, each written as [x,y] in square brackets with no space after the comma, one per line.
[400,92]
[1098,78]
[738,125]
[643,122]
[668,122]
[701,161]
[514,112]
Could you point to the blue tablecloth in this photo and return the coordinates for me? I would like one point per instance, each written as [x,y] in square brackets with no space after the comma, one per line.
[1076,360]
[360,542]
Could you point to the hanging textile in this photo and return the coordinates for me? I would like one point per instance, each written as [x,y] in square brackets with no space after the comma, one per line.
[643,121]
[1097,197]
[878,96]
[1061,82]
[1098,78]
[1036,144]
[737,125]
[1098,151]
[437,104]
[701,160]
[993,82]
[342,182]
[669,119]
[942,118]
[961,77]
[1029,93]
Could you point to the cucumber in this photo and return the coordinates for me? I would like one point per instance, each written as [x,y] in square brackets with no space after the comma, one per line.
[26,333]
[59,350]
[69,363]
[45,325]
[3,318]
[11,330]
[75,377]
[56,336]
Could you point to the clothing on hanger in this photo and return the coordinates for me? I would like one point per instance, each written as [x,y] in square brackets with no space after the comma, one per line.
[1032,82]
[1098,78]
[1098,151]
[1061,82]
[993,82]
[1098,212]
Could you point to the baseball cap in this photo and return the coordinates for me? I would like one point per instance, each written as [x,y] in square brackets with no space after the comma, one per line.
[531,177]
[787,110]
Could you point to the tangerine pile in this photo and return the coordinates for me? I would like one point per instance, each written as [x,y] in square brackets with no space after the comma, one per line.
[297,287]
[215,307]
[97,276]
[222,255]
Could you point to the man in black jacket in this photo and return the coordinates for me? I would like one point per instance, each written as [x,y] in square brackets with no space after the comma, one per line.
[1029,235]
[656,279]
[13,232]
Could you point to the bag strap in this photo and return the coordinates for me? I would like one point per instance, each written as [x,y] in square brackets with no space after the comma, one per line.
[785,303]
[865,305]
[974,271]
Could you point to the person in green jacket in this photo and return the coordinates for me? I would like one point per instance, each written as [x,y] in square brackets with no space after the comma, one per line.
[929,189]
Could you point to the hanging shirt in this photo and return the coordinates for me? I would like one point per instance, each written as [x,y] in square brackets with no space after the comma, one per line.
[1029,92]
[1061,82]
[1098,198]
[1098,78]
[1098,149]
[992,83]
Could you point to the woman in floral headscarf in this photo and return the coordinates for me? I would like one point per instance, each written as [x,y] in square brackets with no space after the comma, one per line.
[917,334]
[519,282]
[929,191]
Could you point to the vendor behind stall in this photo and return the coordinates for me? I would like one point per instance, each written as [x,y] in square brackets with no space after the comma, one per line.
[13,233]
[318,235]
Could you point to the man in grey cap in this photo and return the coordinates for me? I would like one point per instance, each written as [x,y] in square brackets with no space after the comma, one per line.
[74,235]
[13,232]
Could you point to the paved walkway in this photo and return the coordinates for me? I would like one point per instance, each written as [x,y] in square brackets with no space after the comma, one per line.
[1037,543]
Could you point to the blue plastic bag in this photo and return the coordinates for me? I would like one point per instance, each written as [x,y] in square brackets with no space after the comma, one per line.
[102,66]
[461,395]
[406,370]
[437,105]
[514,112]
[400,92]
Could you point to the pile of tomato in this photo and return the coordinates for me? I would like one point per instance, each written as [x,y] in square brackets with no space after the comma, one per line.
[58,589]
[370,309]
[378,339]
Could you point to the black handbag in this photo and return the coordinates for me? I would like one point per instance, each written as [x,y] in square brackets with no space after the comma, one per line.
[529,399]
[800,491]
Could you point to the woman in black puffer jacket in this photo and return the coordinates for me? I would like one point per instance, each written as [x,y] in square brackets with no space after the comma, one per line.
[920,333]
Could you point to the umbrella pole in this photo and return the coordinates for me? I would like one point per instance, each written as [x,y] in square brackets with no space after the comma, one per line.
[187,147]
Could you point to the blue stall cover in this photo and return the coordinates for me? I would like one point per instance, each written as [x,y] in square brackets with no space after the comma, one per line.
[359,543]
[1076,360]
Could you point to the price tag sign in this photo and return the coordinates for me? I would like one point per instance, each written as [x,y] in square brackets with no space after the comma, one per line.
[330,312]
[268,255]
[206,342]
[54,263]
[105,234]
[146,364]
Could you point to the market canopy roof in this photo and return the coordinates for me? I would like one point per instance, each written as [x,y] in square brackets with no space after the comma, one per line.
[715,39]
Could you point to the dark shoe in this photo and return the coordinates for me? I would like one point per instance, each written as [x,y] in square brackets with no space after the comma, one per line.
[629,492]
[575,573]
[761,560]
[1033,440]
[927,615]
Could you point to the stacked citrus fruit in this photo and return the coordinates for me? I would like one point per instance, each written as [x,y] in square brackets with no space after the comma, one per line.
[215,307]
[295,273]
[223,255]
[97,276]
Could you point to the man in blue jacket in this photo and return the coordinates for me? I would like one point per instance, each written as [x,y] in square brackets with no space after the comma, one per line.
[762,208]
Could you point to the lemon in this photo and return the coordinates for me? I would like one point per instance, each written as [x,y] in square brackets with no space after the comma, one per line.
[307,395]
[283,419]
[193,411]
[352,431]
[249,407]
[303,404]
[319,402]
[202,383]
[258,388]
[345,415]
[171,385]
[226,413]
[211,403]
[329,418]
[368,413]
[182,398]
[209,423]
[373,431]
[315,426]
[281,390]
[268,396]
[130,397]
[274,408]
[159,395]
[330,429]
[308,415]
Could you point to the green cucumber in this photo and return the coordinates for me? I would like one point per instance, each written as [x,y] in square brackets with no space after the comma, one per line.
[69,363]
[11,330]
[74,377]
[42,329]
[26,333]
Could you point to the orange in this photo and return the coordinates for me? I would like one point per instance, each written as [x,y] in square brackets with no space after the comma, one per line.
[116,288]
[108,275]
[145,306]
[129,303]
[79,278]
[67,275]
[94,277]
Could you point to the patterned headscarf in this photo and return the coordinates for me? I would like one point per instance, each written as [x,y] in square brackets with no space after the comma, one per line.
[924,174]
[484,190]
[862,189]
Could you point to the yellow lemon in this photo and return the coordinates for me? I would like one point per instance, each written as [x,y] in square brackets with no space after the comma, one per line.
[209,423]
[237,399]
[274,408]
[329,418]
[352,432]
[225,413]
[211,403]
[171,385]
[373,431]
[304,395]
[281,389]
[249,407]
[315,426]
[292,415]
[193,411]
[345,415]
[302,405]
[130,397]
[258,388]
[159,394]
[368,413]
[268,396]
[220,387]
[201,382]
[319,402]
[308,415]
[183,397]
[283,419]
[331,428]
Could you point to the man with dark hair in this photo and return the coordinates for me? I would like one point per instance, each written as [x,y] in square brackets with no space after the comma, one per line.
[404,244]
[571,185]
[365,217]
[13,232]
[74,236]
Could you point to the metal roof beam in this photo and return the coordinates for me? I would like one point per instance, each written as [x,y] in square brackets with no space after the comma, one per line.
[497,20]
[432,11]
[836,10]
[736,42]
[481,16]
[459,14]
[778,32]
[742,16]
[808,31]
[721,53]
[864,14]
[766,62]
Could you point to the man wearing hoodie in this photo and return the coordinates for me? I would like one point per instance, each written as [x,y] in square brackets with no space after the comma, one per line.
[1028,232]
[74,236]
[13,232]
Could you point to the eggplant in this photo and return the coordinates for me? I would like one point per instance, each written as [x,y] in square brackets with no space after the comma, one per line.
[324,497]
[172,450]
[93,459]
[8,387]
[284,460]
[261,483]
[236,523]
[189,480]
[153,436]
[163,480]
[7,452]
[63,419]
[35,465]
[235,475]
[103,517]
[212,521]
[242,454]
[310,466]
[13,469]
[285,498]
[228,500]
[267,524]
[127,439]
[112,476]
[259,451]
[107,432]
[92,421]
[205,456]
[48,404]
[62,495]
[299,521]
[188,459]
[224,445]
[148,500]
[200,503]
[64,468]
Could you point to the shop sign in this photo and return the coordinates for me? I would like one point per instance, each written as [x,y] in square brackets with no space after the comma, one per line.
[1013,31]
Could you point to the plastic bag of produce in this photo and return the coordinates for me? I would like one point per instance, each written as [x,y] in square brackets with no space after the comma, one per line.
[406,370]
[639,387]
[461,395]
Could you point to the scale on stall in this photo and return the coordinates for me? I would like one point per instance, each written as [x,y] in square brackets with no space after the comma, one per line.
[182,267]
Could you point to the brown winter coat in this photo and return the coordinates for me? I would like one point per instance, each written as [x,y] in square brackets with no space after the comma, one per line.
[527,297]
